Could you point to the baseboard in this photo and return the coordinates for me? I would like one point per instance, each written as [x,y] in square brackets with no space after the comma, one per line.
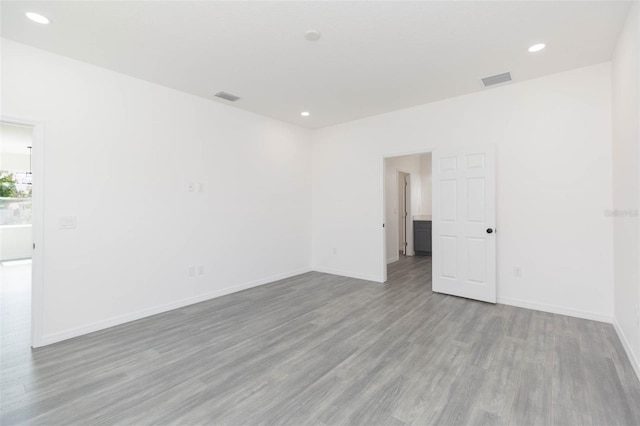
[347,274]
[122,319]
[633,358]
[557,310]
[393,259]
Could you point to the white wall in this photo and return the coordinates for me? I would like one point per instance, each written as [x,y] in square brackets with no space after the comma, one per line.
[119,155]
[626,184]
[408,164]
[426,191]
[553,138]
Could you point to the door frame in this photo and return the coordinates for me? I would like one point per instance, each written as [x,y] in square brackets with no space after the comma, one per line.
[383,204]
[405,251]
[37,224]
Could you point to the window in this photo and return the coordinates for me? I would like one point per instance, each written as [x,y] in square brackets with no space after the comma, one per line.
[15,198]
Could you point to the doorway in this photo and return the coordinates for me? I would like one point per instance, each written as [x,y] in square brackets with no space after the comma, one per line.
[459,230]
[21,232]
[407,207]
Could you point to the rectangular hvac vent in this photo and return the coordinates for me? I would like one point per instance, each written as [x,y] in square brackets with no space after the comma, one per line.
[227,96]
[496,79]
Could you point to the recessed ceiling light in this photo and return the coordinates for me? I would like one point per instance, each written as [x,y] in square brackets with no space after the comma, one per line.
[312,35]
[305,113]
[537,47]
[36,17]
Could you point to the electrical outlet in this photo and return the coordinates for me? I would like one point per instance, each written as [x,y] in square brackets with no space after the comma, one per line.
[192,271]
[517,271]
[201,270]
[68,222]
[201,187]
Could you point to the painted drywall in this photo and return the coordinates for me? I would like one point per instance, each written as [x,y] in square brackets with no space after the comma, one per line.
[553,138]
[409,164]
[426,190]
[626,184]
[119,154]
[15,242]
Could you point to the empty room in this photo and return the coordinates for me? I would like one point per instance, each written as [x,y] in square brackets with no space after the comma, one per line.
[319,212]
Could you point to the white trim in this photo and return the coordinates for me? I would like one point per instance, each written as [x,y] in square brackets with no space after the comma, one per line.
[633,358]
[405,153]
[111,322]
[37,235]
[408,220]
[355,275]
[557,310]
[383,219]
[393,259]
[14,226]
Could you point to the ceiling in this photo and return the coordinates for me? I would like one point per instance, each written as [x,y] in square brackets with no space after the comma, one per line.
[373,56]
[14,139]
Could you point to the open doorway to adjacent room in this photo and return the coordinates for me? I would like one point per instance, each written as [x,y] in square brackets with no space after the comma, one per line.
[408,201]
[16,235]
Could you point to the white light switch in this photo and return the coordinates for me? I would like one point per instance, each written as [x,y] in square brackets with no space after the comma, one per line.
[191,187]
[68,222]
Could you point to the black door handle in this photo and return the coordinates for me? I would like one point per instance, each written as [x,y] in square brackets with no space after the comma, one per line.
[489,231]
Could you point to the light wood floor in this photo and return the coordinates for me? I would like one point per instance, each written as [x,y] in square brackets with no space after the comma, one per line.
[321,350]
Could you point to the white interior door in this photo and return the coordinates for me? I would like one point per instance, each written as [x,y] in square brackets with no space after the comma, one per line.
[464,215]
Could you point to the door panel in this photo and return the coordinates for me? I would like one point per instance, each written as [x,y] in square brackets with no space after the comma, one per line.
[475,200]
[476,259]
[449,257]
[448,201]
[464,209]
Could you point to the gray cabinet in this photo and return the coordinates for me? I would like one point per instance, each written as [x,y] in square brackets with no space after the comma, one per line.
[422,237]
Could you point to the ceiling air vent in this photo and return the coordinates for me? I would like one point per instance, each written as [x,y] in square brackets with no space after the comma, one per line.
[496,79]
[227,96]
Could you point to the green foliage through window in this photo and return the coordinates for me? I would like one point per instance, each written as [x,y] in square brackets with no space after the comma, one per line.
[8,186]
